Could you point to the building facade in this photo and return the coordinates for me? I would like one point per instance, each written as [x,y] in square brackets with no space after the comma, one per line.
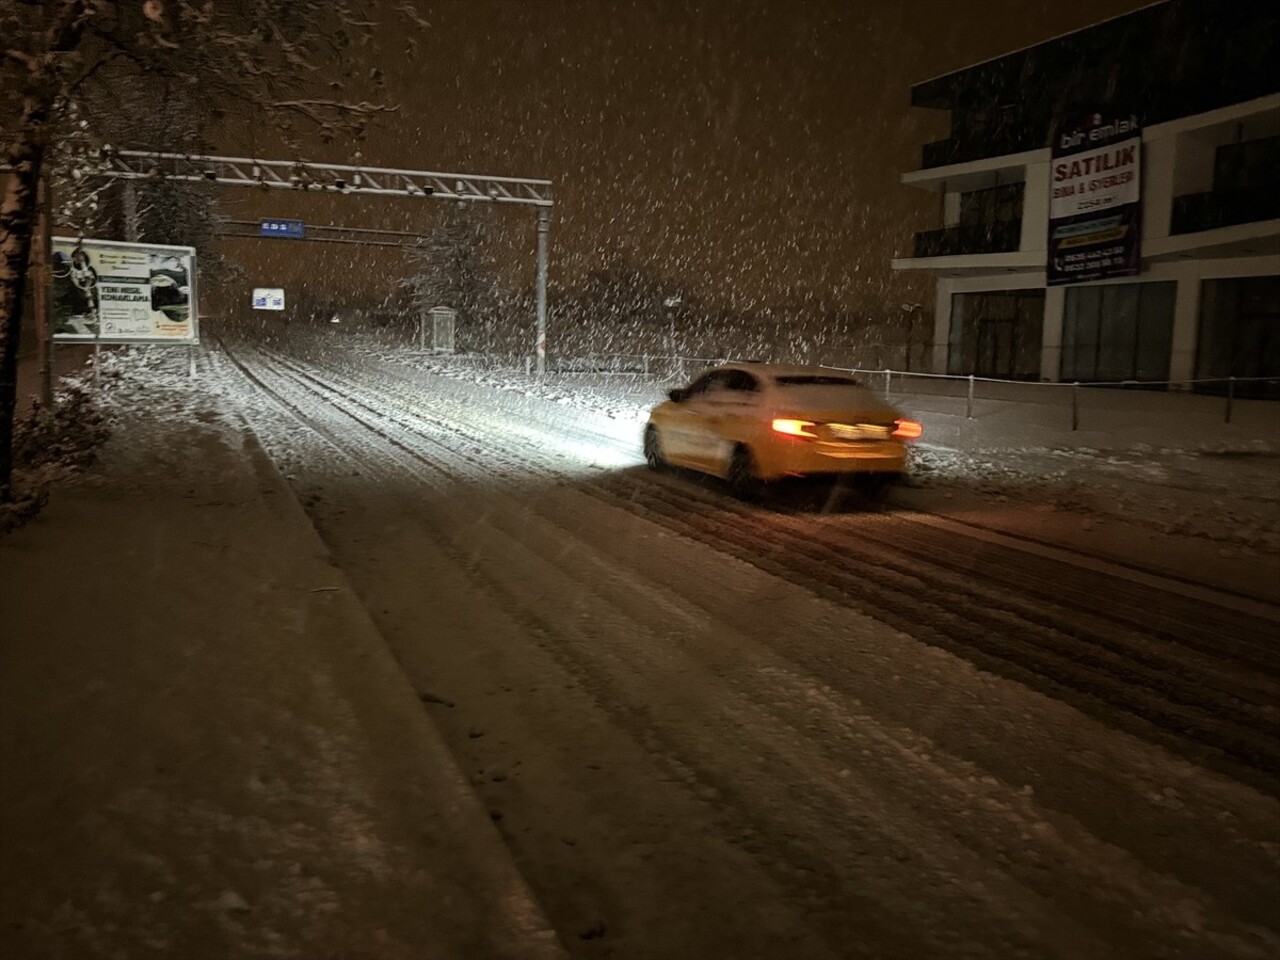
[1199,302]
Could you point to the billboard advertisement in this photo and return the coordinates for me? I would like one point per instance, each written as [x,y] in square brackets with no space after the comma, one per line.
[268,298]
[110,292]
[1095,198]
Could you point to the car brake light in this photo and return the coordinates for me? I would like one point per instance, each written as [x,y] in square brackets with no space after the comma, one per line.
[795,428]
[907,429]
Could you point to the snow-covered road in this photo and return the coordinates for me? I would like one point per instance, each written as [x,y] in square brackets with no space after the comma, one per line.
[714,730]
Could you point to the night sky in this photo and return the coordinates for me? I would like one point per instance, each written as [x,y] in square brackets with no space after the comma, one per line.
[744,152]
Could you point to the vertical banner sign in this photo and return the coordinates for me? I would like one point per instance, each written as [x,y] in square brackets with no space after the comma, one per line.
[110,292]
[1095,201]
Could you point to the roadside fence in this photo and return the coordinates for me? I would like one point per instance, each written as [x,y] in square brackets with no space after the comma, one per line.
[957,391]
[912,383]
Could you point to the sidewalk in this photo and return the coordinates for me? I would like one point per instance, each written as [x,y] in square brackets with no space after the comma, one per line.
[1042,415]
[206,749]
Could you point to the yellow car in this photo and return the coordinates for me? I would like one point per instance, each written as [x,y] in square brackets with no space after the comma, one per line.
[753,423]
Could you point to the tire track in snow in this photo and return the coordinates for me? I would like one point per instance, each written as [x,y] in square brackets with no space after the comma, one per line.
[798,749]
[1001,632]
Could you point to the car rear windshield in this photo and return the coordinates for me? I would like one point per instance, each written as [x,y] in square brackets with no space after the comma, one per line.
[816,380]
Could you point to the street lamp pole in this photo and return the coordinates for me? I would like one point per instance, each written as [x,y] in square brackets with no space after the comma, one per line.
[672,304]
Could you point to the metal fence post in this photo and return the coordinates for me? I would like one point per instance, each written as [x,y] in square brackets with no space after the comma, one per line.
[968,405]
[646,364]
[886,383]
[1075,405]
[1231,397]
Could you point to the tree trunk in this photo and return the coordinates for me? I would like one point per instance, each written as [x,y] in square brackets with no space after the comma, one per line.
[65,25]
[17,224]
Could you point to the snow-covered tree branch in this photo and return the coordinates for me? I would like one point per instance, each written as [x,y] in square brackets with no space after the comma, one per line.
[78,67]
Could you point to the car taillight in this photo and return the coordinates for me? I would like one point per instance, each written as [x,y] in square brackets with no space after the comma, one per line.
[907,429]
[795,428]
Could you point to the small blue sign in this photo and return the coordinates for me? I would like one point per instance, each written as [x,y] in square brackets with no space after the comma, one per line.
[268,298]
[290,229]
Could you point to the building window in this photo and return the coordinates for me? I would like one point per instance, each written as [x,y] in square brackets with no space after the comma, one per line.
[1240,335]
[1001,204]
[1245,189]
[1118,332]
[1246,167]
[996,334]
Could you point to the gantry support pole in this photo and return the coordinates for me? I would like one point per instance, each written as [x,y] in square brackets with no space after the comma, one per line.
[544,228]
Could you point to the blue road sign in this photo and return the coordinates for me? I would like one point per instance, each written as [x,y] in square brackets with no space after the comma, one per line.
[291,229]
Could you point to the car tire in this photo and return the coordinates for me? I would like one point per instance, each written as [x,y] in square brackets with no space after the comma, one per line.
[875,487]
[744,483]
[653,449]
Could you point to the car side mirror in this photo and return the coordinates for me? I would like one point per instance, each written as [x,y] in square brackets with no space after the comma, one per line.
[677,395]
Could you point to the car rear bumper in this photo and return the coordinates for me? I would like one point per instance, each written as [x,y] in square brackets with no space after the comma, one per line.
[802,458]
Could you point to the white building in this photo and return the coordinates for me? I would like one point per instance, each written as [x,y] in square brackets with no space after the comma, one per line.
[1204,81]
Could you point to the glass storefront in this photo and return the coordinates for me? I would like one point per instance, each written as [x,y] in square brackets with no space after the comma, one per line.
[1118,332]
[1240,335]
[996,333]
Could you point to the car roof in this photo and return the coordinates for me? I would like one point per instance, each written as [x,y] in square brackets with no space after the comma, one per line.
[774,370]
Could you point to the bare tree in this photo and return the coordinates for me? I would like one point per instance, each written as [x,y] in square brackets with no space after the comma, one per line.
[246,60]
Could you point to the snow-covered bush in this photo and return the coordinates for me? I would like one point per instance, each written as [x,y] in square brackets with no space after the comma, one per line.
[50,444]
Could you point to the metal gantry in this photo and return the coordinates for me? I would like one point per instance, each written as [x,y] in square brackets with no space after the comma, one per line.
[326,177]
[347,180]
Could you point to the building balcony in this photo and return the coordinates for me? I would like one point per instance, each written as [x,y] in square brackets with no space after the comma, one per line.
[1001,236]
[1219,208]
[981,145]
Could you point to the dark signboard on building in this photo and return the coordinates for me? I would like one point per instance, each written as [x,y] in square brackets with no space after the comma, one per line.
[1095,204]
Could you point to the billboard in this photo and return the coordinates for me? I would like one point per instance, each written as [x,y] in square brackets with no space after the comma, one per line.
[1095,199]
[105,291]
[268,298]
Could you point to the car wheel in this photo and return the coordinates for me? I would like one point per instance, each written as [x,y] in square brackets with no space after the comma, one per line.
[743,481]
[653,449]
[875,486]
